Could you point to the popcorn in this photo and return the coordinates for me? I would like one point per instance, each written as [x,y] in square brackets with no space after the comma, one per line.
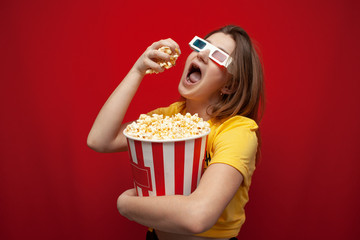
[158,127]
[169,64]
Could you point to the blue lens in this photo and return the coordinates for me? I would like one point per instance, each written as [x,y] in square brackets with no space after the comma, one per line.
[200,44]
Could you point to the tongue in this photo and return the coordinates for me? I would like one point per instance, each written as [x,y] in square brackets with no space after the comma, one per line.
[195,77]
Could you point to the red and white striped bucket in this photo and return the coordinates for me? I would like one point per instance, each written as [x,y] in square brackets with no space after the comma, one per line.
[167,167]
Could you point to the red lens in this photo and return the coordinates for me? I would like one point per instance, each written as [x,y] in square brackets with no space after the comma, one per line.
[219,56]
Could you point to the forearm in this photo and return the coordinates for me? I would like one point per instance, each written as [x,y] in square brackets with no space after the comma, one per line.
[175,214]
[104,135]
[191,214]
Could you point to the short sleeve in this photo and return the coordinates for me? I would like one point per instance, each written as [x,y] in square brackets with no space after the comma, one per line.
[237,147]
[169,110]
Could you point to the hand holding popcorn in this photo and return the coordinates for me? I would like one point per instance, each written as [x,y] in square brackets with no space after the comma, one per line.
[159,56]
[166,64]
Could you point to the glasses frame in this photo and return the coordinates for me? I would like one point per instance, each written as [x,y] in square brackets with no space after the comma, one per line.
[212,49]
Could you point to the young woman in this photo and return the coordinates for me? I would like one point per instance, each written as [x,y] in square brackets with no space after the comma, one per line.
[222,82]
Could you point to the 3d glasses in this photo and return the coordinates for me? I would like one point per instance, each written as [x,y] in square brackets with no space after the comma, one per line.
[216,54]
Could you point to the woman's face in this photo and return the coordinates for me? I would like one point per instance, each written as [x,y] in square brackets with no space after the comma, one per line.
[203,80]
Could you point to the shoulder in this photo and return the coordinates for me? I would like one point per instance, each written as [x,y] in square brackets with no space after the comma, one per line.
[234,142]
[172,109]
[234,124]
[236,133]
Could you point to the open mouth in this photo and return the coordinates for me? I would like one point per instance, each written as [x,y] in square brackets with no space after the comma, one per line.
[194,74]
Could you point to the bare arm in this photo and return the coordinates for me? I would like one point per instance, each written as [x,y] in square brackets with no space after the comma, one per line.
[106,132]
[185,214]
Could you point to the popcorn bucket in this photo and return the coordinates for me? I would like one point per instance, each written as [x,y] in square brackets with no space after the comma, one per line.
[167,167]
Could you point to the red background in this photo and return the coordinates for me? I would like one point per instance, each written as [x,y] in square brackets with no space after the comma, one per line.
[60,60]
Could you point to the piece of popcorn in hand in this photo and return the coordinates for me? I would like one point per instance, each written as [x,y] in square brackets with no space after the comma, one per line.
[164,64]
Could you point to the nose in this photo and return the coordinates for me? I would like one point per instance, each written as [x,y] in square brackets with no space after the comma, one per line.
[204,55]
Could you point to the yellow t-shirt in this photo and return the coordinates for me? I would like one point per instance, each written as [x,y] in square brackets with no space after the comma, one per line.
[232,141]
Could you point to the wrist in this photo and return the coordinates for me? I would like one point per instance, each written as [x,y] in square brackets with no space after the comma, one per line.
[137,72]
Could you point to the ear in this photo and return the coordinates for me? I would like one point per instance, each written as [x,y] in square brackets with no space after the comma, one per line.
[227,90]
[229,87]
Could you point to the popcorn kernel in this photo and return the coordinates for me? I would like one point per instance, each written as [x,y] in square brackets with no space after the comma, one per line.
[159,127]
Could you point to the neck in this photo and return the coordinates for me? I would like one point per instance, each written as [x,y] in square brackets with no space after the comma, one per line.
[198,107]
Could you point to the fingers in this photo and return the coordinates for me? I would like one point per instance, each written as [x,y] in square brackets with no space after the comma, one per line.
[151,64]
[167,42]
[151,57]
[154,55]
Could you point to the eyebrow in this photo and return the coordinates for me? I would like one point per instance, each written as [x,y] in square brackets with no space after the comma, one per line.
[217,47]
